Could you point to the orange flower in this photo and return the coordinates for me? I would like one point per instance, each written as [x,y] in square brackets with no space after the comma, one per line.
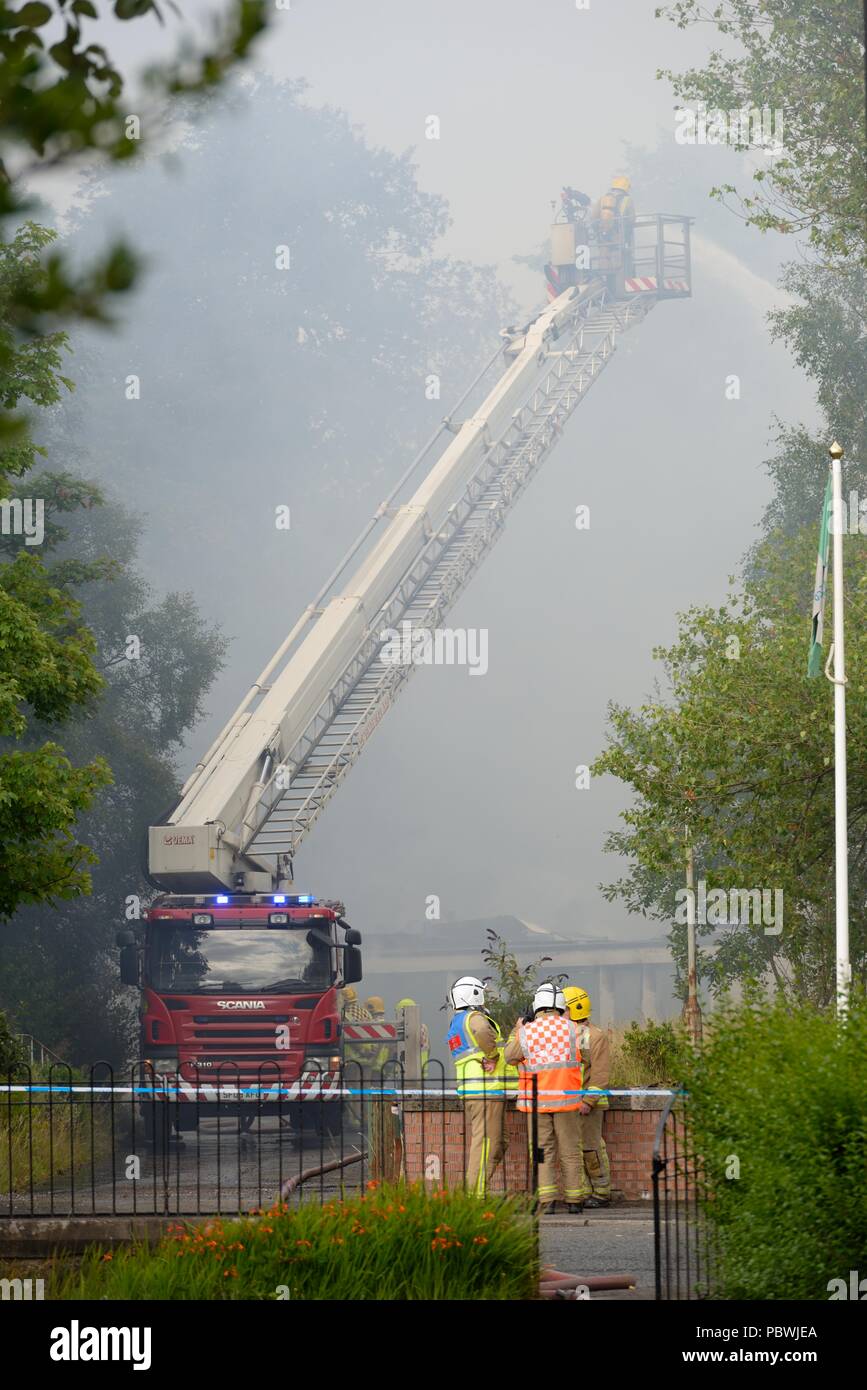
[487,1216]
[337,1240]
[107,1257]
[372,1185]
[308,1243]
[480,1240]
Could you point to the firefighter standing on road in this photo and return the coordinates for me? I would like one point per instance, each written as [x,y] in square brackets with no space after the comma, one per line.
[549,1047]
[594,1049]
[475,1043]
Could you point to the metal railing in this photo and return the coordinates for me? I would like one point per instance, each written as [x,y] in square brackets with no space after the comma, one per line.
[682,1256]
[100,1142]
[37,1052]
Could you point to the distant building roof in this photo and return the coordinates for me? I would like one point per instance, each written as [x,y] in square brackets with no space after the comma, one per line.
[522,937]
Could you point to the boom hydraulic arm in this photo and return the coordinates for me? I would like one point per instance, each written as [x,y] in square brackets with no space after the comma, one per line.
[248,804]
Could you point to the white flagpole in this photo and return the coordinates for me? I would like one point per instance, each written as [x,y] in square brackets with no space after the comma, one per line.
[841,839]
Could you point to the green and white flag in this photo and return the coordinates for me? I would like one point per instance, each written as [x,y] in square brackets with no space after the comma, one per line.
[814,661]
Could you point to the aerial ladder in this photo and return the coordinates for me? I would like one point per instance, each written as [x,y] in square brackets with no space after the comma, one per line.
[251,800]
[238,971]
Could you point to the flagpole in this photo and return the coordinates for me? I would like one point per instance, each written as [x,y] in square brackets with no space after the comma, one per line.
[841,825]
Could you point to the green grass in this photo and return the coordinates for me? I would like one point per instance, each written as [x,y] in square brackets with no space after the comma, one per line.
[391,1243]
[49,1141]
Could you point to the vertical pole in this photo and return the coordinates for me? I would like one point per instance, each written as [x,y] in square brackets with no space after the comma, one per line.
[693,1012]
[841,842]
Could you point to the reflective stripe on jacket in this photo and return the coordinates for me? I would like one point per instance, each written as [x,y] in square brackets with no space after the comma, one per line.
[551,1048]
[473,1082]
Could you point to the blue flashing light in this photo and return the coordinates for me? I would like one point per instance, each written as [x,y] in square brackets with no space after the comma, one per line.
[305,899]
[279,897]
[222,898]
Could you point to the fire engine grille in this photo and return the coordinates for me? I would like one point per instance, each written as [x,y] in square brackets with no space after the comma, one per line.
[234,1033]
[222,1020]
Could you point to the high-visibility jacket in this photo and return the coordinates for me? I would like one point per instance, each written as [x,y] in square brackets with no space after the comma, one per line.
[594,1054]
[552,1053]
[473,1082]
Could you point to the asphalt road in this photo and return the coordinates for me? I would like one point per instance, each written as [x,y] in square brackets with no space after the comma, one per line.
[618,1240]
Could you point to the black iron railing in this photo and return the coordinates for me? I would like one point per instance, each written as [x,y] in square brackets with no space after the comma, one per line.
[680,1236]
[102,1142]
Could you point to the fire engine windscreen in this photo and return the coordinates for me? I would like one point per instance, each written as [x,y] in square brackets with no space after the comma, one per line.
[185,960]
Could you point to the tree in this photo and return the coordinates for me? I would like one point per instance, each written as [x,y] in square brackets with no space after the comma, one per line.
[826,330]
[66,97]
[58,100]
[737,755]
[157,658]
[510,995]
[47,670]
[804,61]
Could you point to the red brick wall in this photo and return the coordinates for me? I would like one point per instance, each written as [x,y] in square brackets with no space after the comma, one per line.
[436,1147]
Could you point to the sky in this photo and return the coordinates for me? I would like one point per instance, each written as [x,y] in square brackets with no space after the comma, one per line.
[467,790]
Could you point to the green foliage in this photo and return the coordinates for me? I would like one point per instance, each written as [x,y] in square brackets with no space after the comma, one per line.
[739,754]
[47,669]
[391,1243]
[63,96]
[41,1140]
[807,62]
[660,1050]
[58,962]
[824,326]
[11,1051]
[778,1111]
[510,994]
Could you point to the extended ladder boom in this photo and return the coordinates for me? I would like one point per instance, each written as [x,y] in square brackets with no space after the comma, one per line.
[251,800]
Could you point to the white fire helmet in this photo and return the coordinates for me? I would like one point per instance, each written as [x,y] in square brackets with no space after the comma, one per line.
[549,996]
[467,993]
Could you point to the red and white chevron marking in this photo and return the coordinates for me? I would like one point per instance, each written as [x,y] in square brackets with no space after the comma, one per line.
[643,282]
[676,285]
[370,1032]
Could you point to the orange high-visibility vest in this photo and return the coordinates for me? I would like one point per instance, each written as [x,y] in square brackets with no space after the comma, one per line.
[552,1053]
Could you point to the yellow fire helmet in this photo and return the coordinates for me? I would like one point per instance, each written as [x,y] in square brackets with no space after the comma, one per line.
[375,1004]
[405,1004]
[350,995]
[621,182]
[578,1003]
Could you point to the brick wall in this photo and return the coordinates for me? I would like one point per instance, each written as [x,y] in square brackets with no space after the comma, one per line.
[436,1145]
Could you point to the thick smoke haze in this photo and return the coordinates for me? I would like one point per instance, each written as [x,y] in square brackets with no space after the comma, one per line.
[307,389]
